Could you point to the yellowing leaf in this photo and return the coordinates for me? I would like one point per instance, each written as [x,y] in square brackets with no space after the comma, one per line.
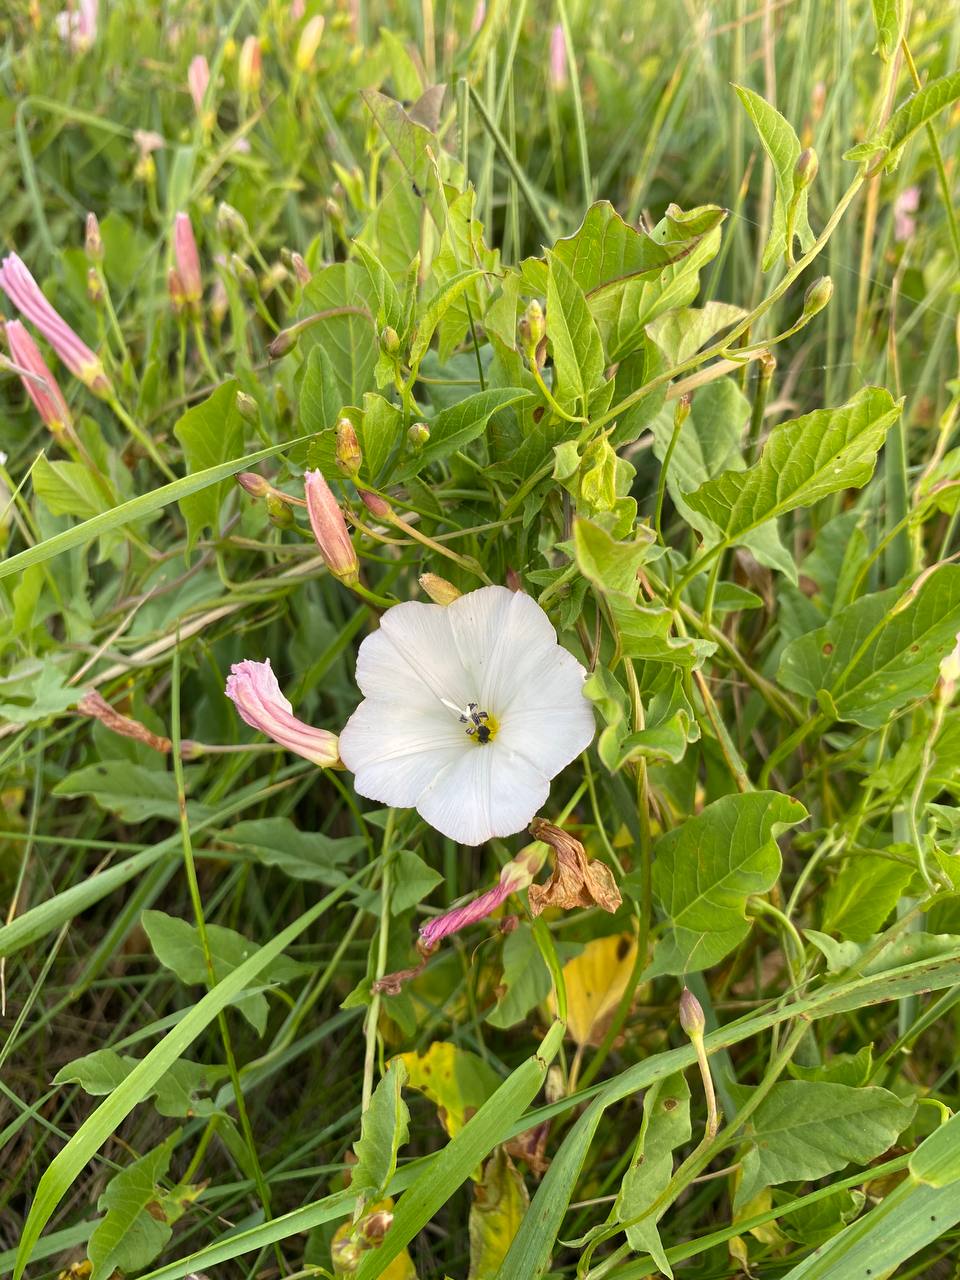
[457,1081]
[499,1204]
[595,981]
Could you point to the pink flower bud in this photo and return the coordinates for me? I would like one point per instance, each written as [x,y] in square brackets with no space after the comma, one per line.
[691,1014]
[255,485]
[906,204]
[249,66]
[330,528]
[301,270]
[376,505]
[558,58]
[198,78]
[479,14]
[516,875]
[93,244]
[254,690]
[188,261]
[26,295]
[38,381]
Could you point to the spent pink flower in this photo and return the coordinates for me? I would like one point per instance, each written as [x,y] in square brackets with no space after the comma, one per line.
[188,260]
[26,295]
[330,528]
[38,381]
[77,25]
[558,58]
[516,875]
[249,65]
[254,690]
[198,77]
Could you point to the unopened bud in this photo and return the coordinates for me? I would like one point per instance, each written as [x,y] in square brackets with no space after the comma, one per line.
[817,296]
[346,1255]
[309,43]
[532,327]
[95,286]
[376,505]
[249,66]
[219,303]
[349,456]
[175,291]
[390,340]
[244,273]
[93,245]
[300,268]
[439,589]
[255,485]
[418,434]
[247,407]
[372,1229]
[273,279]
[330,529]
[949,674]
[805,170]
[231,225]
[691,1014]
[278,511]
[283,343]
[682,412]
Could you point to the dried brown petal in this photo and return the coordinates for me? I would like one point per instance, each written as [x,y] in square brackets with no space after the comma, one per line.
[92,704]
[575,882]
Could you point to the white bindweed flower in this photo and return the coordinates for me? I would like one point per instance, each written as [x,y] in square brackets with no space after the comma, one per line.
[469,710]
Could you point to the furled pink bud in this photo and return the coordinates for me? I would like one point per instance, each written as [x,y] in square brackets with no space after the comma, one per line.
[516,875]
[249,66]
[188,261]
[26,295]
[330,528]
[198,78]
[691,1014]
[309,42]
[558,58]
[349,455]
[479,14]
[906,204]
[255,485]
[77,24]
[301,270]
[254,690]
[38,381]
[376,505]
[92,243]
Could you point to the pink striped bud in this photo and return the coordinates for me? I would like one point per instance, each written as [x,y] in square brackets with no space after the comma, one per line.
[516,875]
[249,66]
[479,16]
[77,25]
[38,381]
[198,78]
[330,529]
[376,505]
[254,690]
[558,58]
[188,261]
[26,295]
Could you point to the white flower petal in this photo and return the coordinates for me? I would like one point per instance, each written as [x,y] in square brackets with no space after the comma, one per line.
[396,752]
[549,720]
[503,637]
[413,659]
[487,791]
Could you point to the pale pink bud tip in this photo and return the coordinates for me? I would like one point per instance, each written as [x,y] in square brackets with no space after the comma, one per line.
[188,259]
[558,58]
[376,505]
[198,77]
[254,690]
[27,296]
[330,528]
[77,25]
[691,1014]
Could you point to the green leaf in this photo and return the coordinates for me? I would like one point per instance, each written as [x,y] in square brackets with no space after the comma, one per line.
[680,333]
[129,1236]
[46,694]
[525,982]
[302,855]
[178,1093]
[176,944]
[342,294]
[863,895]
[936,1162]
[209,433]
[414,880]
[384,1129]
[67,489]
[803,461]
[853,1069]
[665,1126]
[500,1202]
[889,17]
[708,445]
[919,109]
[575,344]
[803,1130]
[872,659]
[381,431]
[436,309]
[705,870]
[783,150]
[457,425]
[320,394]
[132,791]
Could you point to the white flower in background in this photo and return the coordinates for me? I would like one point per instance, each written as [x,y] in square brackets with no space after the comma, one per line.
[469,710]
